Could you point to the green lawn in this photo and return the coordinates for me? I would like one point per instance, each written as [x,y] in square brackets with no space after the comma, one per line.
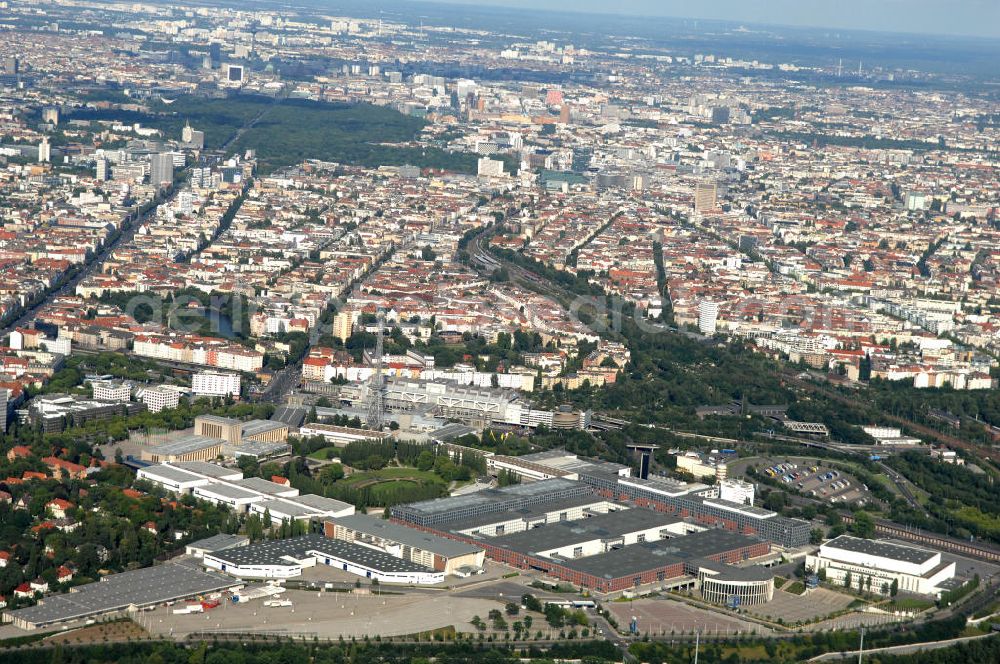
[321,453]
[390,486]
[796,588]
[910,604]
[392,473]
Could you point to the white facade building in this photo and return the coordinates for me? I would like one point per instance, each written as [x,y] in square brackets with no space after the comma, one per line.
[106,390]
[915,570]
[708,316]
[737,491]
[158,398]
[215,384]
[490,168]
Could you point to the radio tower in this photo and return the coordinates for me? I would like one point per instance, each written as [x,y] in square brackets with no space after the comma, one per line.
[376,387]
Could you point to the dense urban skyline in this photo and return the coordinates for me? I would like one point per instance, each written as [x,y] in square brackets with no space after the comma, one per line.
[347,332]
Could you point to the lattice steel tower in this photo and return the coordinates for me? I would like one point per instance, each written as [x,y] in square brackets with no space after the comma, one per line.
[376,386]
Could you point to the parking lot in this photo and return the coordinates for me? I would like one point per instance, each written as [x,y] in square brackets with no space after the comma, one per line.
[663,617]
[812,605]
[808,476]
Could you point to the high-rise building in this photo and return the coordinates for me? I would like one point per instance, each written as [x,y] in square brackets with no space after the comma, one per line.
[704,196]
[720,114]
[343,323]
[4,401]
[11,65]
[50,115]
[235,74]
[44,151]
[708,316]
[161,169]
[490,168]
[102,171]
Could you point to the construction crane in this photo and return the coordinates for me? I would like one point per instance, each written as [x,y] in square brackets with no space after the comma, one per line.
[376,385]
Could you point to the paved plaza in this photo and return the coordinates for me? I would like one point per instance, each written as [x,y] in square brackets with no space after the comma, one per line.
[327,615]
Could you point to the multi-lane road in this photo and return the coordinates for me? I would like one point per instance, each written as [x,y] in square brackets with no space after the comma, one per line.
[68,286]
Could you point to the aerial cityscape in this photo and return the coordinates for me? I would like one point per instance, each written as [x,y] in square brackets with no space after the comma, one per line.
[340,331]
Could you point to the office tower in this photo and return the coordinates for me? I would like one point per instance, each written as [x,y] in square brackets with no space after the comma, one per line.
[235,73]
[161,169]
[564,114]
[704,196]
[102,170]
[708,316]
[50,115]
[44,151]
[720,114]
[11,65]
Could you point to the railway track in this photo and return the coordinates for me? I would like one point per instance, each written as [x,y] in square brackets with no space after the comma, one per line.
[924,430]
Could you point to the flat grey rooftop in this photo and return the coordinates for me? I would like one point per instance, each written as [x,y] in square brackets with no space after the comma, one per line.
[229,491]
[290,506]
[706,543]
[528,514]
[752,510]
[626,561]
[732,573]
[637,558]
[220,542]
[255,427]
[319,502]
[908,554]
[609,526]
[394,532]
[207,469]
[277,552]
[184,445]
[497,496]
[261,485]
[172,473]
[141,587]
[258,448]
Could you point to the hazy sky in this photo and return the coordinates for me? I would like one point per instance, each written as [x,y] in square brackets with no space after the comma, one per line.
[959,17]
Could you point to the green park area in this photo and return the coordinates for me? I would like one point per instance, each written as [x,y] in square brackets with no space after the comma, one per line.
[376,473]
[386,485]
[284,132]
